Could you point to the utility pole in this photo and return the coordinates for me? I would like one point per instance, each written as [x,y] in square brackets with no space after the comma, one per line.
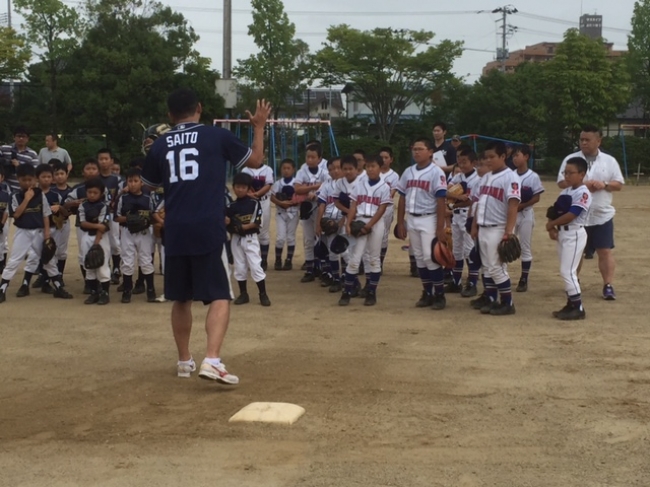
[227,39]
[502,54]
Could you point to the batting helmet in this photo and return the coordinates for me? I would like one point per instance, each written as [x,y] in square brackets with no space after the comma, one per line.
[289,191]
[526,194]
[339,244]
[305,210]
[320,250]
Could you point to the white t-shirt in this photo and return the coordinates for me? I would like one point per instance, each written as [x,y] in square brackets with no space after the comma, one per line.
[605,169]
[495,191]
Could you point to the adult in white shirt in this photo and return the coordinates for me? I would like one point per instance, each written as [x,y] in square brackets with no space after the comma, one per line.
[53,151]
[603,178]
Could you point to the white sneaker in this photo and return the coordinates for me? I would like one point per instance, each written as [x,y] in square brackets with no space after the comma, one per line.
[218,373]
[161,299]
[185,370]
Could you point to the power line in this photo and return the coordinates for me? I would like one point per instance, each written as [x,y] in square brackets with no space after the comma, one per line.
[554,20]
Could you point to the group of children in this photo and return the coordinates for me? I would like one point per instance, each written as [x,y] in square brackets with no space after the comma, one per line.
[325,197]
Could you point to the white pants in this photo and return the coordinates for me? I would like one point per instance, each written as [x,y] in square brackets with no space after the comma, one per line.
[570,245]
[421,232]
[367,247]
[27,242]
[489,239]
[158,245]
[103,274]
[286,225]
[463,243]
[388,223]
[264,235]
[136,248]
[114,238]
[524,230]
[246,256]
[61,238]
[309,235]
[80,255]
[4,236]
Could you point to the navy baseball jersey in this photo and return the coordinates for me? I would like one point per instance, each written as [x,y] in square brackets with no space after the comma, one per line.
[96,212]
[129,204]
[248,210]
[112,187]
[77,193]
[190,163]
[37,208]
[5,199]
[63,192]
[157,199]
[52,199]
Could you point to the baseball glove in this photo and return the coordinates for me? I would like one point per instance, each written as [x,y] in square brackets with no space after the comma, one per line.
[235,226]
[356,227]
[509,249]
[282,197]
[136,223]
[450,239]
[94,257]
[48,251]
[329,226]
[58,219]
[551,213]
[455,190]
[442,254]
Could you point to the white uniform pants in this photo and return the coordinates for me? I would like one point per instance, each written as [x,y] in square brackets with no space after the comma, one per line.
[265,236]
[309,235]
[114,238]
[421,231]
[489,239]
[286,225]
[246,256]
[80,255]
[524,230]
[158,245]
[103,274]
[61,238]
[136,248]
[570,245]
[367,247]
[463,243]
[388,223]
[3,241]
[27,242]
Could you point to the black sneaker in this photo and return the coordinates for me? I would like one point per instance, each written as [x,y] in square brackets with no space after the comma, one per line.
[469,291]
[479,302]
[103,298]
[567,307]
[265,265]
[317,272]
[502,310]
[356,291]
[336,287]
[439,302]
[453,288]
[92,299]
[364,292]
[571,314]
[326,280]
[425,301]
[287,265]
[3,297]
[414,271]
[138,288]
[264,300]
[151,295]
[488,307]
[308,277]
[126,297]
[61,293]
[522,287]
[87,289]
[115,277]
[345,299]
[47,288]
[23,291]
[371,298]
[278,265]
[38,283]
[242,299]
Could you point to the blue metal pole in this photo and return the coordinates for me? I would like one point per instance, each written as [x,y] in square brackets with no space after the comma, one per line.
[333,142]
[622,137]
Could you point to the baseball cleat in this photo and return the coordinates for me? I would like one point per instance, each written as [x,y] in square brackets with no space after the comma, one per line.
[608,293]
[308,277]
[336,287]
[363,292]
[264,300]
[103,298]
[126,297]
[138,288]
[345,299]
[92,298]
[217,373]
[38,283]
[479,302]
[566,308]
[453,288]
[87,289]
[469,291]
[278,265]
[47,288]
[287,265]
[326,280]
[522,287]
[151,295]
[487,308]
[439,302]
[184,369]
[502,310]
[242,299]
[22,291]
[115,278]
[571,314]
[425,301]
[61,293]
[3,297]
[371,299]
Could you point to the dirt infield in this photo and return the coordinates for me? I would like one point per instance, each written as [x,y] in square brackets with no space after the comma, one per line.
[395,396]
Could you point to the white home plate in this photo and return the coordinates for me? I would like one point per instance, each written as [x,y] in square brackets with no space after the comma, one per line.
[269,412]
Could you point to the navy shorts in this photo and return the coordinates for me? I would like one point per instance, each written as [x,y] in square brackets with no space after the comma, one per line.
[601,236]
[198,277]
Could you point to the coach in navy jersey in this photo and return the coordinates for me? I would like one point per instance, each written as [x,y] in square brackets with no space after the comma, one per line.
[190,163]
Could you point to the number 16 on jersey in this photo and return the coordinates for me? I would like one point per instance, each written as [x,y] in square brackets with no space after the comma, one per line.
[183,166]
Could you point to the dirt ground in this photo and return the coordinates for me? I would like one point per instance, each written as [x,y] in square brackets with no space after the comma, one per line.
[395,396]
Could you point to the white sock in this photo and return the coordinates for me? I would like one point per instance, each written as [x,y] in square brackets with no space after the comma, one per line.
[186,362]
[213,361]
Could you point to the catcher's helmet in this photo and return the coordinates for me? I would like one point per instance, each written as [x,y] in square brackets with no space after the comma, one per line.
[152,133]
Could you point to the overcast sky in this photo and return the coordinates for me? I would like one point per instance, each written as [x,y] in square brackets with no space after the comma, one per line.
[478,31]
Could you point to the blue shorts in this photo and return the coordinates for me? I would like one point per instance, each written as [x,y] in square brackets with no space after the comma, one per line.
[198,277]
[601,236]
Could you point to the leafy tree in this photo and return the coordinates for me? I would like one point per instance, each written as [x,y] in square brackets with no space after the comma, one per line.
[585,86]
[638,57]
[388,69]
[280,68]
[55,28]
[14,55]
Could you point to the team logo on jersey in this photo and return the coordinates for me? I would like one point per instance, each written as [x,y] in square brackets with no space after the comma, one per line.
[416,183]
[515,186]
[373,200]
[443,181]
[585,197]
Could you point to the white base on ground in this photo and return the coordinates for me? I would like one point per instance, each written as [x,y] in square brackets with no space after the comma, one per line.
[269,412]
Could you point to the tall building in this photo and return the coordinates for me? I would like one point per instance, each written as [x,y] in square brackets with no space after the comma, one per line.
[592,26]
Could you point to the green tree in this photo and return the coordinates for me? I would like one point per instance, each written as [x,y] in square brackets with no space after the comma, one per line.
[584,86]
[55,28]
[280,68]
[14,55]
[638,57]
[388,69]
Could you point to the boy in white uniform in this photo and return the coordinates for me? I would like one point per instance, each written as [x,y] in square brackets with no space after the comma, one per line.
[392,179]
[566,225]
[262,182]
[327,210]
[287,218]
